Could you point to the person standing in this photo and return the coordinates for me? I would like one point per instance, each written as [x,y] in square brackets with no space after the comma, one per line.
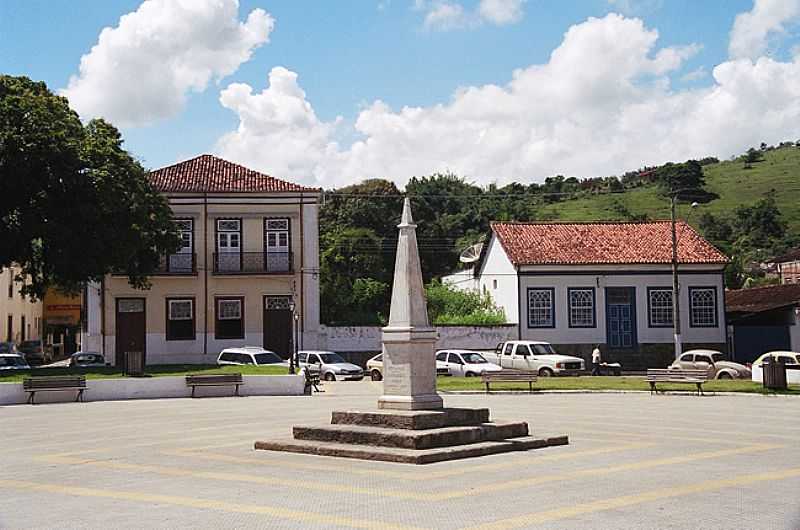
[596,360]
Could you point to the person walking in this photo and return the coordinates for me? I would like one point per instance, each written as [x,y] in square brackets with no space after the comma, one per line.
[596,360]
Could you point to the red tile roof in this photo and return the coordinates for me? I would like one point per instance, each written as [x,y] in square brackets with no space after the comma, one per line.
[760,299]
[603,243]
[210,174]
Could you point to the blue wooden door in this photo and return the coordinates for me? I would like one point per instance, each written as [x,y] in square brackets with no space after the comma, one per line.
[621,317]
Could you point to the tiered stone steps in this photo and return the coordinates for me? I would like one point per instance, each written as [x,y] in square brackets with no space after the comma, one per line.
[416,437]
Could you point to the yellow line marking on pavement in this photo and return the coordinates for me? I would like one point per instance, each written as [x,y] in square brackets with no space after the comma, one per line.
[736,435]
[204,504]
[625,501]
[422,474]
[404,494]
[623,435]
[605,470]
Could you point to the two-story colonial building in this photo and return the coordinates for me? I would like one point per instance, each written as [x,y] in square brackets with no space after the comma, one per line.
[577,285]
[246,274]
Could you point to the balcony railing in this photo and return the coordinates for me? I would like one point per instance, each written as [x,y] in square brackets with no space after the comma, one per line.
[184,263]
[253,263]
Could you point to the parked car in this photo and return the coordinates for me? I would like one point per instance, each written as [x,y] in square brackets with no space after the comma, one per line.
[329,365]
[712,361]
[248,355]
[8,347]
[13,361]
[789,357]
[536,356]
[34,352]
[465,363]
[86,360]
[375,368]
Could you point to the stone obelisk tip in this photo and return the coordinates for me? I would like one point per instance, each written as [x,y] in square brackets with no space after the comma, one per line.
[406,220]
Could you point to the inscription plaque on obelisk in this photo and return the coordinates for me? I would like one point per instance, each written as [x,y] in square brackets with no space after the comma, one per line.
[409,365]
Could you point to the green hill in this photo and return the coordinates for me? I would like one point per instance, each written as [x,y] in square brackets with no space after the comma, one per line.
[735,185]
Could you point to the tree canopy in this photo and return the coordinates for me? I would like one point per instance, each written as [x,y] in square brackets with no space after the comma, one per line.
[74,205]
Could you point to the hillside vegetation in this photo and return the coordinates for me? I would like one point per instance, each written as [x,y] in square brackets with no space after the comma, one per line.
[736,186]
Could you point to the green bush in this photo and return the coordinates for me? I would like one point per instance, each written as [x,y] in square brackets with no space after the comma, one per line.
[448,305]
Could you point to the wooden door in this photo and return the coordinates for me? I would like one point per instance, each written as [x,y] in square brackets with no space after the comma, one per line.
[621,317]
[278,324]
[131,330]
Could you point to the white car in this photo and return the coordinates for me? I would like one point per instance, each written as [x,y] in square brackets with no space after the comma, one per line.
[465,363]
[248,355]
[13,361]
[713,362]
[537,356]
[375,368]
[329,365]
[789,357]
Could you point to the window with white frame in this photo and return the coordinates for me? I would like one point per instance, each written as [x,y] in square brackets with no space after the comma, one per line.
[659,303]
[180,319]
[230,318]
[703,307]
[541,312]
[581,308]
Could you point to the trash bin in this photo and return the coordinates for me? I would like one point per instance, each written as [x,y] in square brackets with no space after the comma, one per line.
[774,373]
[134,363]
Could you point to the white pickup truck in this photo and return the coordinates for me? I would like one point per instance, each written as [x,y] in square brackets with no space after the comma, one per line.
[536,356]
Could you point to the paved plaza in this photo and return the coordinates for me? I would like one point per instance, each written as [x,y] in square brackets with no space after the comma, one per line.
[635,461]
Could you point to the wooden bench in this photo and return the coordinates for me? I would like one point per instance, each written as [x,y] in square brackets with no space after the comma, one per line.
[214,380]
[312,381]
[31,385]
[671,375]
[510,376]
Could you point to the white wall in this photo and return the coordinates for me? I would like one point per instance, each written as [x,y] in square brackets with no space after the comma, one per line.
[310,276]
[498,278]
[368,338]
[563,334]
[462,280]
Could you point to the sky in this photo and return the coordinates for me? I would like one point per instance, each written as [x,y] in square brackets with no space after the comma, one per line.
[330,93]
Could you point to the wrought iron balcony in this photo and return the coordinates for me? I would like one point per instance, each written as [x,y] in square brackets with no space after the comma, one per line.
[177,264]
[253,263]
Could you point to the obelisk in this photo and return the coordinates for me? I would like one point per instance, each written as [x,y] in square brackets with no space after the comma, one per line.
[409,364]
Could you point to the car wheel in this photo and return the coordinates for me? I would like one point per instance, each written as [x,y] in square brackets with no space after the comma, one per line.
[329,377]
[469,374]
[376,375]
[545,372]
[724,375]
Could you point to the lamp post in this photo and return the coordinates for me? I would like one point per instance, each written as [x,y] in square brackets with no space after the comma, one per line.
[676,299]
[294,344]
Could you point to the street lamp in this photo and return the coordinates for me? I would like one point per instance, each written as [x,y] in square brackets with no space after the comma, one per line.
[676,304]
[294,344]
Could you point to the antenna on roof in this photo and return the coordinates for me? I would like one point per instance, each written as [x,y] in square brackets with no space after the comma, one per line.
[471,253]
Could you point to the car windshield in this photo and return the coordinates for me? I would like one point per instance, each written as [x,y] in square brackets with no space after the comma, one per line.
[542,349]
[11,361]
[267,358]
[717,357]
[473,358]
[331,358]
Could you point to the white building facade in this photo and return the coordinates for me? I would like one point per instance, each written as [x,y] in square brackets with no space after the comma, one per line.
[578,285]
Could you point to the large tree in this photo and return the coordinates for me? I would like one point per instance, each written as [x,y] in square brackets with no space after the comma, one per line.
[74,205]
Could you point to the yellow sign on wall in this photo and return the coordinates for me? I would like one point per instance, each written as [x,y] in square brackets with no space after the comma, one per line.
[60,309]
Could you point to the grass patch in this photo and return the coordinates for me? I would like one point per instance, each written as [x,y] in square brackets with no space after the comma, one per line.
[605,383]
[157,370]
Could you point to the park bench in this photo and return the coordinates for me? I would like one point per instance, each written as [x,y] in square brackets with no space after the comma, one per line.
[673,375]
[31,385]
[509,376]
[312,381]
[214,380]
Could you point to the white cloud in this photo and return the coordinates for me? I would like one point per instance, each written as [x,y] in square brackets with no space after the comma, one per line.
[601,104]
[752,30]
[630,7]
[695,75]
[142,70]
[448,14]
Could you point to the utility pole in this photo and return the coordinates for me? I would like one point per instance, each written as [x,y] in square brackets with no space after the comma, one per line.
[676,304]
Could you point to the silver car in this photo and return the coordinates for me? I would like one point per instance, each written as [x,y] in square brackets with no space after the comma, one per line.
[13,361]
[329,365]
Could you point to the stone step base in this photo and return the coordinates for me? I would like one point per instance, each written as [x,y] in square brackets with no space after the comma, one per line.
[408,438]
[415,420]
[411,456]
